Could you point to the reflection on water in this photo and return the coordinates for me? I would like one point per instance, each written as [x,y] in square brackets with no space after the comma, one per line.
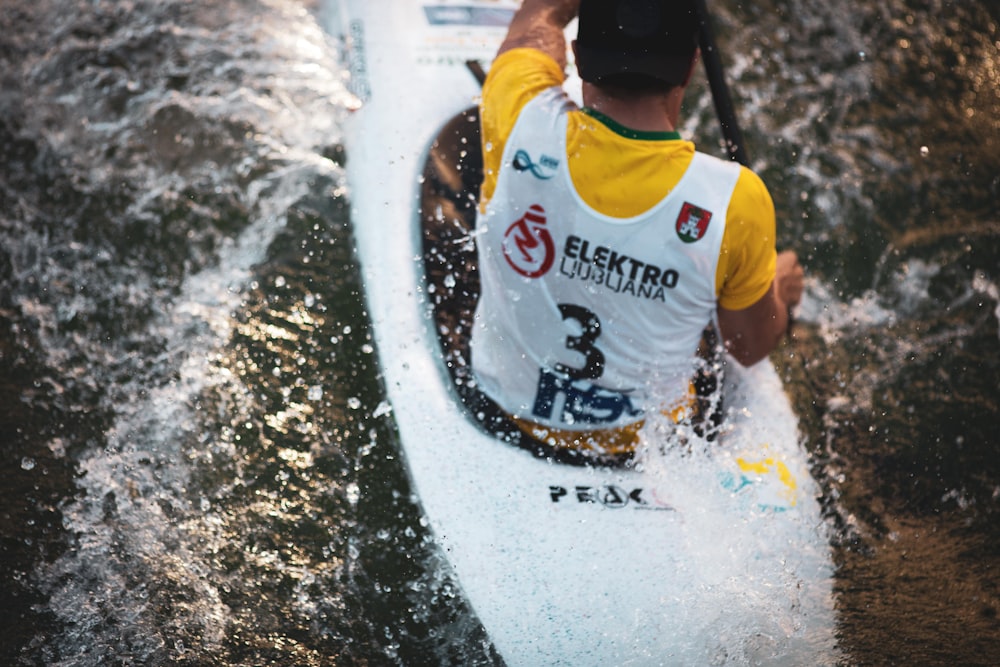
[199,464]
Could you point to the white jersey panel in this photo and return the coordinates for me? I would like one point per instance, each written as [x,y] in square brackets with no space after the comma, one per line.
[587,321]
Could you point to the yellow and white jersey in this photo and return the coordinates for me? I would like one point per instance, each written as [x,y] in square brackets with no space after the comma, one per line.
[586,321]
[621,173]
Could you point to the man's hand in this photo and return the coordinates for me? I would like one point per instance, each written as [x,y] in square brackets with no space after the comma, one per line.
[789,279]
[750,334]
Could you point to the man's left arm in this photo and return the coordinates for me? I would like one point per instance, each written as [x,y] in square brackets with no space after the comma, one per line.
[536,33]
[540,24]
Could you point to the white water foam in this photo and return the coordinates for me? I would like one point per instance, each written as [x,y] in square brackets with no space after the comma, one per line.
[757,589]
[140,580]
[983,285]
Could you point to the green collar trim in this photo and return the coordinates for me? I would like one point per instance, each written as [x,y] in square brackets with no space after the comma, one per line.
[629,133]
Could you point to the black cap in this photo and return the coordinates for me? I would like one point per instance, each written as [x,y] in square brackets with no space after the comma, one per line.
[636,42]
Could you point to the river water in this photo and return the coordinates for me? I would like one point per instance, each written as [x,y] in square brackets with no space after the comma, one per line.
[199,464]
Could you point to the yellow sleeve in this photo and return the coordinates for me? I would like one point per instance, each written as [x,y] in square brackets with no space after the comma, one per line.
[514,79]
[747,259]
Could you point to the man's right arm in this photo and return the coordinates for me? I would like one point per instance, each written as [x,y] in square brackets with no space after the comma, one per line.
[540,24]
[751,333]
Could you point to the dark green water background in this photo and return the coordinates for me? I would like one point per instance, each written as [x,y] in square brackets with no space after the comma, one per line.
[198,464]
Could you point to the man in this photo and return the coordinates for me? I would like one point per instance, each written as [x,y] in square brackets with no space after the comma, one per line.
[606,243]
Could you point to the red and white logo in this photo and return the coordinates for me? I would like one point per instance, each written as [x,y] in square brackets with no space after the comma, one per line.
[528,246]
[692,223]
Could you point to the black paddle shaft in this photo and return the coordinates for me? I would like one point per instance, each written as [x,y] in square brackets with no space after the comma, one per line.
[723,102]
[720,91]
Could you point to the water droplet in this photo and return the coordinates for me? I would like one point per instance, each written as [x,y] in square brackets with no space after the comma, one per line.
[27,463]
[353,493]
[354,403]
[279,281]
[924,151]
[315,393]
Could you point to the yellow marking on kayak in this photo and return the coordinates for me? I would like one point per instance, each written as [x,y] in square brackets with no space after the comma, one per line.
[771,465]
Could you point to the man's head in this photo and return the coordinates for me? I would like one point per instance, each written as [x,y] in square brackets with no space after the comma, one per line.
[636,44]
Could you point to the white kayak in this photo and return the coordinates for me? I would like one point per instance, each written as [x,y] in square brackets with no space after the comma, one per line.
[707,553]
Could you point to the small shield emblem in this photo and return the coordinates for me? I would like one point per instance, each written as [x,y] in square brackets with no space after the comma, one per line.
[692,223]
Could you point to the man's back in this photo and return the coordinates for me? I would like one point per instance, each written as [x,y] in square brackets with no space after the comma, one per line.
[623,158]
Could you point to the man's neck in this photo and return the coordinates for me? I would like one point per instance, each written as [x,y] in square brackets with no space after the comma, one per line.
[647,112]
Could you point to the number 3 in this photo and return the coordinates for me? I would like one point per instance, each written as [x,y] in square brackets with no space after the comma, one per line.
[584,343]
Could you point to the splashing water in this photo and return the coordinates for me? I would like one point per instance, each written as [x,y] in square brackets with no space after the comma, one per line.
[202,468]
